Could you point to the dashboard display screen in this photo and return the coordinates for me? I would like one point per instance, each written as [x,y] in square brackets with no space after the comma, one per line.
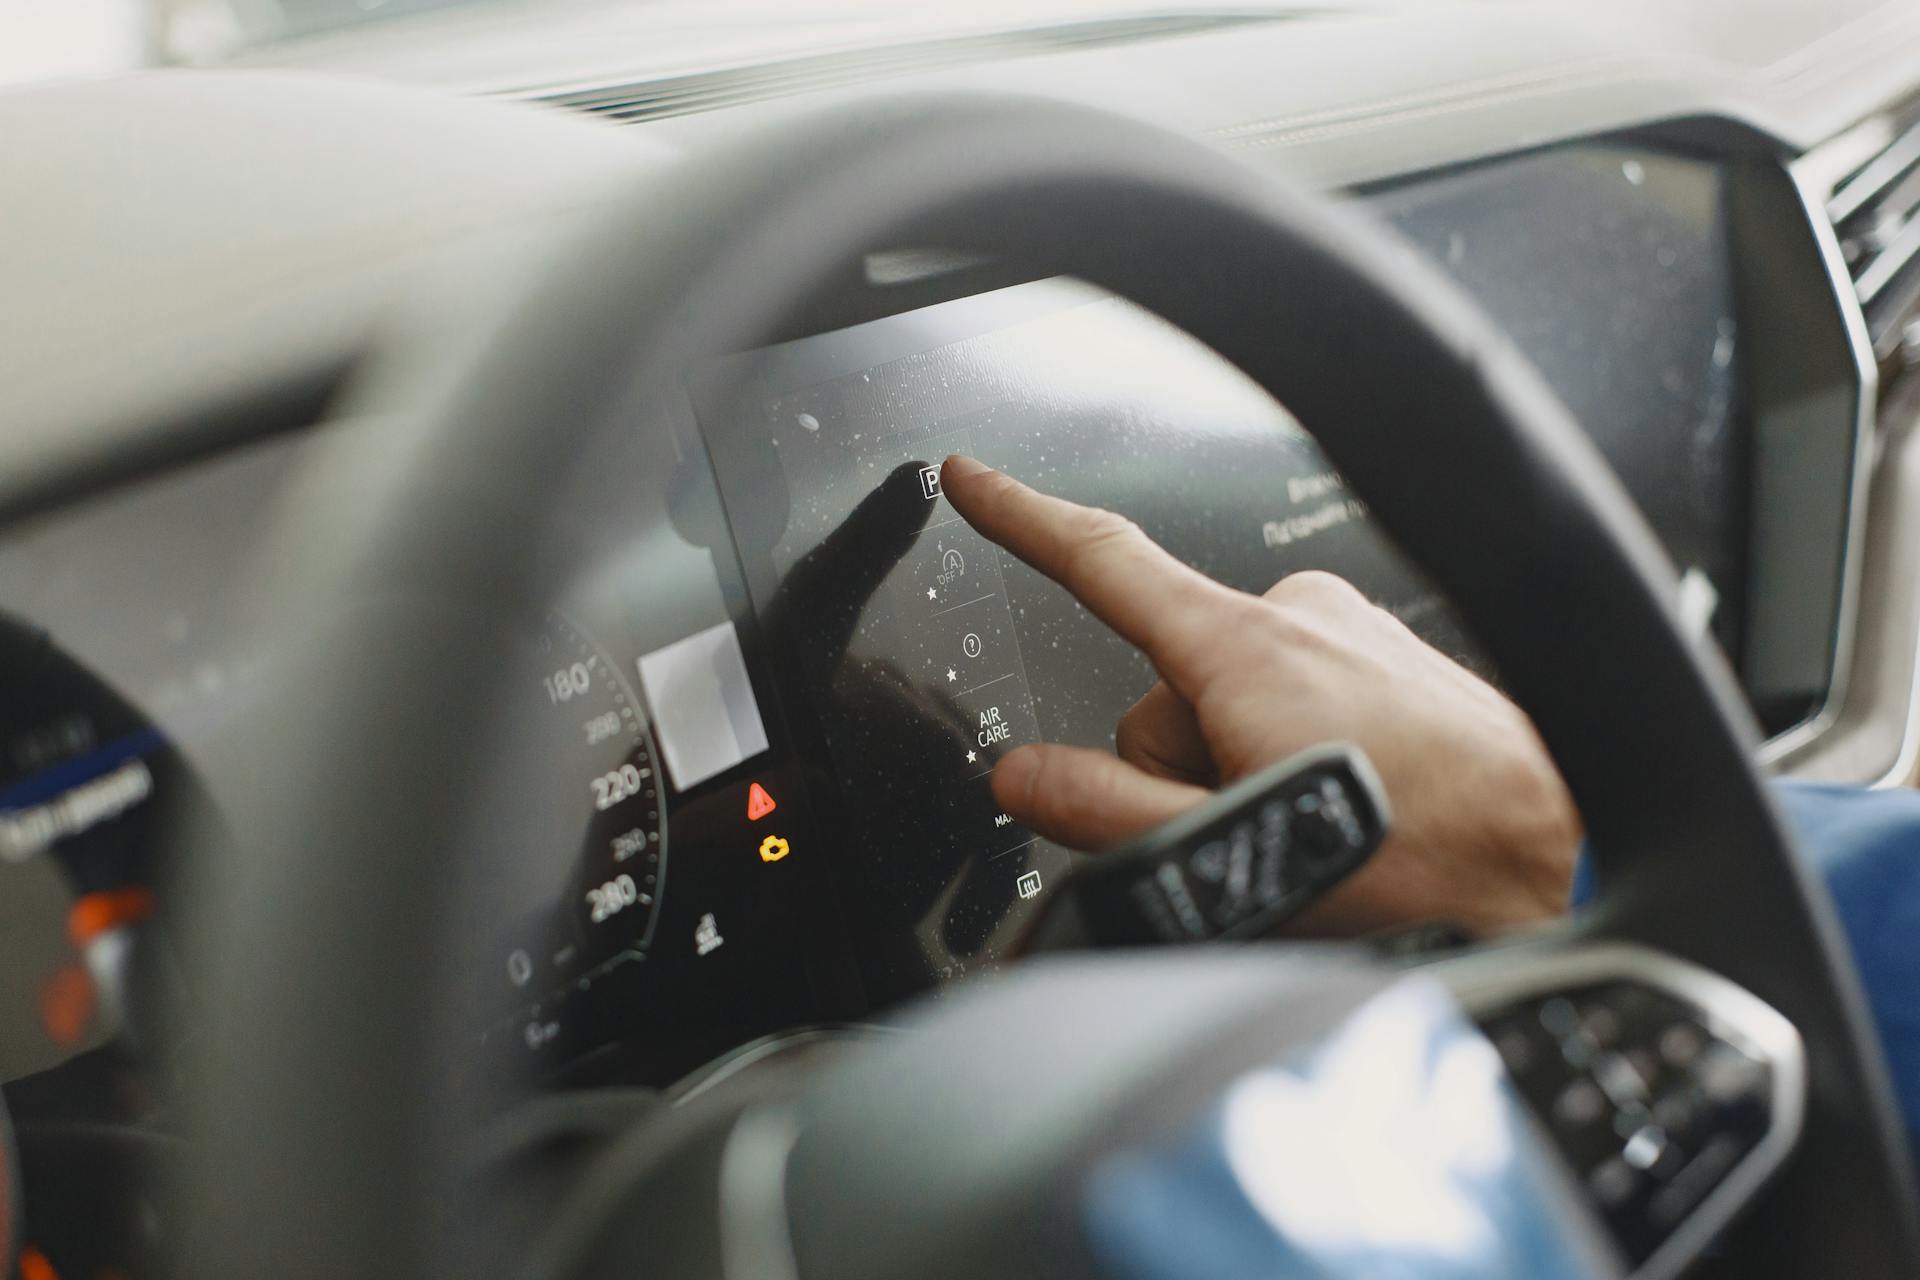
[920,653]
[1609,266]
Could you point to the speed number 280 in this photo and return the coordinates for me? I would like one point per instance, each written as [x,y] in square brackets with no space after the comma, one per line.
[613,897]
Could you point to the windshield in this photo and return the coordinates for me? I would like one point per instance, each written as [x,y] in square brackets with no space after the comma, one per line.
[45,41]
[482,45]
[297,17]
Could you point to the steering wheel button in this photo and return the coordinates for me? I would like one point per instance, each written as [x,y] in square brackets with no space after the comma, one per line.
[1679,1109]
[1602,1022]
[1579,1050]
[1210,862]
[1613,1184]
[1630,1119]
[1579,1105]
[1619,1078]
[1645,1147]
[1558,1016]
[1687,1188]
[1681,1043]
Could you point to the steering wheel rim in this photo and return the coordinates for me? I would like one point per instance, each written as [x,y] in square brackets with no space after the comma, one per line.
[321,1156]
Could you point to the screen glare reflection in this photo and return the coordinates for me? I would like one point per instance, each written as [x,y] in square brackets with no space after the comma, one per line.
[1392,1147]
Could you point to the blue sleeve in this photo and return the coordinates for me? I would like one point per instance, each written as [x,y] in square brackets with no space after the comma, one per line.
[1867,845]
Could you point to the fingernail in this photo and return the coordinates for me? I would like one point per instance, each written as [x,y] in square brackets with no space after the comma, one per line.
[959,466]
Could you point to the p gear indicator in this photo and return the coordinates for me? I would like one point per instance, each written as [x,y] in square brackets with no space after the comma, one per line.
[759,803]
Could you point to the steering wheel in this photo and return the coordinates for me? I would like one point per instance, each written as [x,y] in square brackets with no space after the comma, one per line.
[331,1099]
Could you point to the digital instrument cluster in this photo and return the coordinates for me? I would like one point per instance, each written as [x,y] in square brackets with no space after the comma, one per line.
[603,910]
[677,902]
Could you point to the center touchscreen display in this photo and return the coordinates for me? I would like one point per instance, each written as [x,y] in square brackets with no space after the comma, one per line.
[921,651]
[916,654]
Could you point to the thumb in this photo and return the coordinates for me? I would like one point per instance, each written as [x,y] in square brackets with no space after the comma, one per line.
[1085,799]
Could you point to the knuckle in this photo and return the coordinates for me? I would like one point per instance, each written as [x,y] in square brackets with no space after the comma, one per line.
[1096,534]
[1314,589]
[1204,636]
[1098,527]
[997,485]
[1100,791]
[1130,736]
[1246,614]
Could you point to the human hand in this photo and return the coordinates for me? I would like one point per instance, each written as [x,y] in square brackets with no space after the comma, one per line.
[1484,831]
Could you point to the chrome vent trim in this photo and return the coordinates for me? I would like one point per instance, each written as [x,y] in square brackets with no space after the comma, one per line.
[631,102]
[1875,211]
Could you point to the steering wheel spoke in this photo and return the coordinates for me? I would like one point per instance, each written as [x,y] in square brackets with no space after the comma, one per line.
[1673,1094]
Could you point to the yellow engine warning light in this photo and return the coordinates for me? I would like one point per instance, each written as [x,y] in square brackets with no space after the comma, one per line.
[772,849]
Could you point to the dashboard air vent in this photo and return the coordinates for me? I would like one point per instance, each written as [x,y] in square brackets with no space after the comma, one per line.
[1876,215]
[711,90]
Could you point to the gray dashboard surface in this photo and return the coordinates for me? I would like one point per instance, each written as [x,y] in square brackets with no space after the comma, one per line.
[176,244]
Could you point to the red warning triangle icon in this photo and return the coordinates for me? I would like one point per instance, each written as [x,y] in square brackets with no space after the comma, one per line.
[759,803]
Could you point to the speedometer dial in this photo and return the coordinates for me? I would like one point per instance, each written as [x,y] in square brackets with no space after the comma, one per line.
[623,858]
[591,903]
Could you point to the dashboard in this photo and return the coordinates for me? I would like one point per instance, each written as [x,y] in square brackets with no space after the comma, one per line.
[780,668]
[771,671]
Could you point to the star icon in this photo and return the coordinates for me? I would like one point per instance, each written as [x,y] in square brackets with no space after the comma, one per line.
[973,757]
[932,594]
[952,675]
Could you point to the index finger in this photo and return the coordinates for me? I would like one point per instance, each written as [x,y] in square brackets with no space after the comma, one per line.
[1169,611]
